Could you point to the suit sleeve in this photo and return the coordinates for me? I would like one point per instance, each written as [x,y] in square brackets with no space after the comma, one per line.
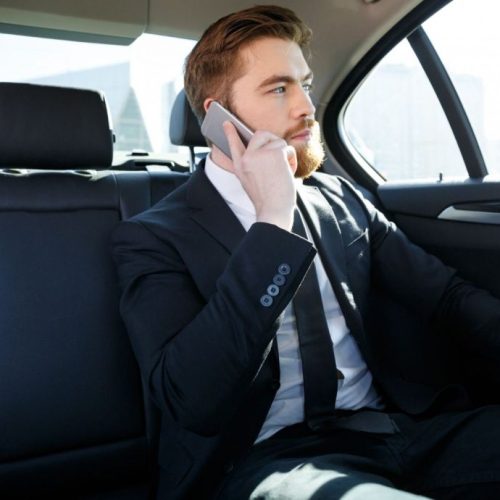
[428,287]
[199,357]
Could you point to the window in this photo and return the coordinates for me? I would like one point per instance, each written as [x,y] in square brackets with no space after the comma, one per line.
[140,81]
[466,36]
[395,120]
[396,123]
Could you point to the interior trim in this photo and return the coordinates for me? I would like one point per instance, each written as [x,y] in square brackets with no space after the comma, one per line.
[471,216]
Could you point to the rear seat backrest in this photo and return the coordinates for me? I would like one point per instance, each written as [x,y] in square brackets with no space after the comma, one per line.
[72,413]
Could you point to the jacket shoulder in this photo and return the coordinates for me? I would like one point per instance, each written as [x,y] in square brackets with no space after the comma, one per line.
[332,184]
[322,179]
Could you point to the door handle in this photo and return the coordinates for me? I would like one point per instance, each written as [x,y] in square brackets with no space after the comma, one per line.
[481,212]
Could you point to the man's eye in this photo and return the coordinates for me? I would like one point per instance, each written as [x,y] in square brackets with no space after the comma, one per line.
[307,87]
[278,90]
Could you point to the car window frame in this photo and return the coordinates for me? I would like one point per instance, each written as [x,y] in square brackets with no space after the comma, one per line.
[410,28]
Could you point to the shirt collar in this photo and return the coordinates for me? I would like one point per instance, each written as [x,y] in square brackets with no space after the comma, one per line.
[229,187]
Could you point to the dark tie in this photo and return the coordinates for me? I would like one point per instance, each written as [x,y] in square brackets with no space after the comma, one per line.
[316,347]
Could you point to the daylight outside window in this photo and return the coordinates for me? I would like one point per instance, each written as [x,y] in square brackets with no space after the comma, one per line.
[467,39]
[140,81]
[394,120]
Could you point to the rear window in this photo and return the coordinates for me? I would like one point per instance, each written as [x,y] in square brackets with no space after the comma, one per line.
[140,81]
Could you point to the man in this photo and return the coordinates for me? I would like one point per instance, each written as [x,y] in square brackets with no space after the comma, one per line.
[267,359]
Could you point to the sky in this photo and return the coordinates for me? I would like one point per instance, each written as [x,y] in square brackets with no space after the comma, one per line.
[26,58]
[466,36]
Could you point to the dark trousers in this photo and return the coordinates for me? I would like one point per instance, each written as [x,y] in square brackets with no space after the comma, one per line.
[454,455]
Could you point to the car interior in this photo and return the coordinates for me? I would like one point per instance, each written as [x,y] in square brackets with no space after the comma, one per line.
[74,421]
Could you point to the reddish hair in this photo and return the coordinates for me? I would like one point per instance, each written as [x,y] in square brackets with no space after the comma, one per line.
[214,64]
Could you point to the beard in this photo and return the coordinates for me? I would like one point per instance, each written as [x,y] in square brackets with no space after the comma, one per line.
[310,156]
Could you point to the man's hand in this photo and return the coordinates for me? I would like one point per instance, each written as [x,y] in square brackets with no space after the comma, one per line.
[265,169]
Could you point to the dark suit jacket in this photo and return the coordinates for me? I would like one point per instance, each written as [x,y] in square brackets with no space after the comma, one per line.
[192,280]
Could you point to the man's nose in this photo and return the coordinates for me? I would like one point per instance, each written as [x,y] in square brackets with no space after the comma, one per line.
[304,106]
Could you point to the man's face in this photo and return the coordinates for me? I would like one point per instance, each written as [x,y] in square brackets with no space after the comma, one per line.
[273,95]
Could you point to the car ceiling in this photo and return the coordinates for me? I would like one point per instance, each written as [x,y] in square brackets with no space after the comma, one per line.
[344,30]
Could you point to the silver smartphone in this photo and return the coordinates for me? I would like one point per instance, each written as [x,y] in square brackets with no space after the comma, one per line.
[212,129]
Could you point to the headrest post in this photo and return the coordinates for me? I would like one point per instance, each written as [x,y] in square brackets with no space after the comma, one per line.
[192,162]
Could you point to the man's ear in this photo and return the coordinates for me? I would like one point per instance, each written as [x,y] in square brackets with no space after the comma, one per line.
[207,103]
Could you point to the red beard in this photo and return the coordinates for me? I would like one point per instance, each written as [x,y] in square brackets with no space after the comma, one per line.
[311,155]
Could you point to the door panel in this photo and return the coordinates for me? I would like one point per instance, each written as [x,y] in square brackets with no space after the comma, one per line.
[472,244]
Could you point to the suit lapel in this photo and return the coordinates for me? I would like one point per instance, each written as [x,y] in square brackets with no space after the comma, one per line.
[325,229]
[327,236]
[212,212]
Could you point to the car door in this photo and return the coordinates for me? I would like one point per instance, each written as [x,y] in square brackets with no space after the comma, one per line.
[417,123]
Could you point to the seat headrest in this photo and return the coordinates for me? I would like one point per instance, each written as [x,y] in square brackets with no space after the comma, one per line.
[47,127]
[184,127]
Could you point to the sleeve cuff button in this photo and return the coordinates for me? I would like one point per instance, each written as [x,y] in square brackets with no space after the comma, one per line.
[284,269]
[279,280]
[266,300]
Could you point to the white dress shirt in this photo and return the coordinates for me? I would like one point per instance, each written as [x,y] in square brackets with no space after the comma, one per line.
[356,390]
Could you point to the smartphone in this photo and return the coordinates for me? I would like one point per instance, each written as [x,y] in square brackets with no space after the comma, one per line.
[212,129]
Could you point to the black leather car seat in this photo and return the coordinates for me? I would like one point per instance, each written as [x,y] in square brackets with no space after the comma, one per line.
[73,419]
